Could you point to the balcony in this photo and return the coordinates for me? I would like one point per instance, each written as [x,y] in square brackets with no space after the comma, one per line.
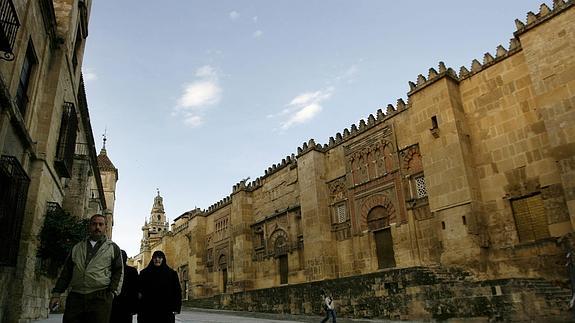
[9,25]
[66,147]
[82,150]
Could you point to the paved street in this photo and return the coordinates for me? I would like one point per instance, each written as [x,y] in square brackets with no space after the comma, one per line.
[215,316]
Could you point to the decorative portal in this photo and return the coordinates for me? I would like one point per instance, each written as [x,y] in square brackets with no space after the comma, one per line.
[222,264]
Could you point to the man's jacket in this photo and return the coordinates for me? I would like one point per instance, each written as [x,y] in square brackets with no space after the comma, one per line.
[89,269]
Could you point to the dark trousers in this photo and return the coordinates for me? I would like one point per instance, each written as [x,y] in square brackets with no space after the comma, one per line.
[88,308]
[329,313]
[120,315]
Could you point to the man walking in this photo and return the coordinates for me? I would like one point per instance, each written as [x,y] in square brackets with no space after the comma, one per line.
[328,307]
[94,272]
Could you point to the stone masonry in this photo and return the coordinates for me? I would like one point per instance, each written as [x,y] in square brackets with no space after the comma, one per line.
[474,171]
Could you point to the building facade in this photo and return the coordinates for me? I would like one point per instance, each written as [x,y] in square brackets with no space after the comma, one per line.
[48,157]
[476,171]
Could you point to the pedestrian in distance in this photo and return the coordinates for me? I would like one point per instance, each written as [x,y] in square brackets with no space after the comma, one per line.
[328,306]
[159,291]
[93,272]
[126,303]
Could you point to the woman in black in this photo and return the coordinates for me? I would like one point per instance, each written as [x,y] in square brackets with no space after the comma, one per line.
[160,292]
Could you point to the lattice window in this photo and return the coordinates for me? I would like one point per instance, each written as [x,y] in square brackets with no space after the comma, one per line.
[340,213]
[420,187]
[530,218]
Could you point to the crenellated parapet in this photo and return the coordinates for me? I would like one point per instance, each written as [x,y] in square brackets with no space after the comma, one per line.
[355,129]
[432,77]
[489,60]
[544,14]
[533,19]
[218,205]
[289,160]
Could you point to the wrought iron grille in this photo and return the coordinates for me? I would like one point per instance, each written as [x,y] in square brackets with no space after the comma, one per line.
[13,194]
[9,25]
[67,141]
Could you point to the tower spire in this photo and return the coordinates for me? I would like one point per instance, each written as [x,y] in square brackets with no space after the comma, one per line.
[104,139]
[104,135]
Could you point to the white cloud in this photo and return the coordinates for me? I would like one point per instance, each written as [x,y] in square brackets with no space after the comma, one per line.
[198,96]
[234,15]
[304,107]
[255,19]
[89,74]
[257,34]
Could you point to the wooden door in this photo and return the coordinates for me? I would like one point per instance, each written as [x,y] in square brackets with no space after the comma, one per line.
[225,278]
[384,248]
[283,261]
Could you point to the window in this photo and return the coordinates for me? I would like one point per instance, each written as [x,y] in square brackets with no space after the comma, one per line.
[434,124]
[76,52]
[24,82]
[13,194]
[259,237]
[83,18]
[66,141]
[420,188]
[340,213]
[530,218]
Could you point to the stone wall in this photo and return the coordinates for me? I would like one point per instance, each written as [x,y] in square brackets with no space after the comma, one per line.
[433,181]
[415,293]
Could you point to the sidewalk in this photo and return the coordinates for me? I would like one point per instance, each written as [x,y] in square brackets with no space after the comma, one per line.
[287,317]
[57,318]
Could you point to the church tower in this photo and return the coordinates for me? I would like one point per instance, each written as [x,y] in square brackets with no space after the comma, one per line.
[109,175]
[157,226]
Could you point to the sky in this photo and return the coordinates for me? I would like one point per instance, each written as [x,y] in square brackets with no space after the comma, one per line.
[195,96]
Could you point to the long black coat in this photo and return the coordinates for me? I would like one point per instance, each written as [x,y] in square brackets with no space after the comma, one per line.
[126,303]
[161,294]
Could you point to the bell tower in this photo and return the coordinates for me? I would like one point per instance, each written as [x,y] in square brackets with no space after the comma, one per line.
[156,226]
[109,176]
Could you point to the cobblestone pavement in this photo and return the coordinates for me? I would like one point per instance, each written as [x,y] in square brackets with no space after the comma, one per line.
[218,316]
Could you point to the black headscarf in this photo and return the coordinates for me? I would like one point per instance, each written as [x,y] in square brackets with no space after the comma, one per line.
[158,254]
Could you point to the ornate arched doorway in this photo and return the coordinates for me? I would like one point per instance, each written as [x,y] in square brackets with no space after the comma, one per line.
[280,245]
[223,265]
[378,223]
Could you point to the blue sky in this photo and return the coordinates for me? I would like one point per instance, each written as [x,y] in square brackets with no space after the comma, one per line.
[197,95]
